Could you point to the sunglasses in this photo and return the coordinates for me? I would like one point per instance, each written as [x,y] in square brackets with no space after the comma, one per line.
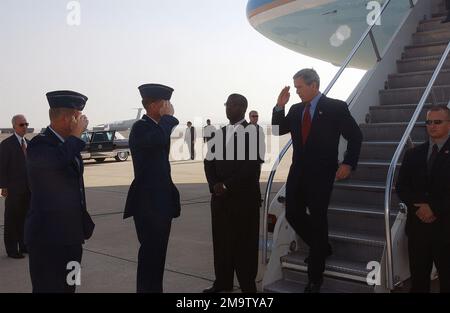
[435,122]
[24,124]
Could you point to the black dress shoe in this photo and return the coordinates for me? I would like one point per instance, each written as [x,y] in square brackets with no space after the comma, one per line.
[447,20]
[214,289]
[313,287]
[16,256]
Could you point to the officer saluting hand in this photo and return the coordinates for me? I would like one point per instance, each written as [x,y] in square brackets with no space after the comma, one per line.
[57,223]
[153,200]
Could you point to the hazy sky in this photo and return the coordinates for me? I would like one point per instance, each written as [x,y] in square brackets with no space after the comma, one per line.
[204,49]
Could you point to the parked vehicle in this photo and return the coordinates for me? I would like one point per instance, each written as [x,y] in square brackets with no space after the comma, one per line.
[101,145]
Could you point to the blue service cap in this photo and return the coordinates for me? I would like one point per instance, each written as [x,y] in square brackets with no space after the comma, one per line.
[156,91]
[66,99]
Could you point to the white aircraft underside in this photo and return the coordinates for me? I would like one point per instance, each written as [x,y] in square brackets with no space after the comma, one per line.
[326,29]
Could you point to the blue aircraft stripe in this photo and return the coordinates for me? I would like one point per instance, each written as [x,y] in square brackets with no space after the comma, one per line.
[254,4]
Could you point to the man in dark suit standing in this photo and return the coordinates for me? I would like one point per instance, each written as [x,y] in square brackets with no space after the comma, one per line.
[261,137]
[423,184]
[57,223]
[153,200]
[232,174]
[189,139]
[316,125]
[14,186]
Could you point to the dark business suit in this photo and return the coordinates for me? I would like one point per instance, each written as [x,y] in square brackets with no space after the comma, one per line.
[235,215]
[312,173]
[427,243]
[54,228]
[153,200]
[13,176]
[261,140]
[190,141]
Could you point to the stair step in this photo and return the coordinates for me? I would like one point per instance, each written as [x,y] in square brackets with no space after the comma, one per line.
[420,64]
[360,248]
[378,151]
[392,132]
[425,50]
[432,20]
[433,25]
[361,194]
[401,113]
[357,248]
[417,79]
[371,171]
[334,267]
[431,36]
[351,219]
[440,14]
[297,282]
[441,6]
[289,286]
[413,95]
[350,208]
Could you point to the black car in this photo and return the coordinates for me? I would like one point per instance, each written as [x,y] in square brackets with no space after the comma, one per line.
[105,144]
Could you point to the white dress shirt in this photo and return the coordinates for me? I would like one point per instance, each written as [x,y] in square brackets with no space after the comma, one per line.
[21,139]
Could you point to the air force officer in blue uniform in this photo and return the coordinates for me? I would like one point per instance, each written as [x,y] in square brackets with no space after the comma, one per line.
[153,200]
[57,223]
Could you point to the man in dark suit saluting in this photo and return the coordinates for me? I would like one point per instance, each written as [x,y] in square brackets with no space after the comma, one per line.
[316,125]
[57,223]
[423,184]
[153,200]
[14,186]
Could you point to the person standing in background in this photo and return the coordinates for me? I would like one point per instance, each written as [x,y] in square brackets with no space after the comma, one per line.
[189,139]
[423,184]
[14,187]
[260,137]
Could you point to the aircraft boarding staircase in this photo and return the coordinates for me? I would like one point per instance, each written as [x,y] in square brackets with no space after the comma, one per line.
[357,212]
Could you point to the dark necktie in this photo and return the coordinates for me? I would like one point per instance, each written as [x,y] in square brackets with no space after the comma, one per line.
[24,147]
[306,123]
[432,158]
